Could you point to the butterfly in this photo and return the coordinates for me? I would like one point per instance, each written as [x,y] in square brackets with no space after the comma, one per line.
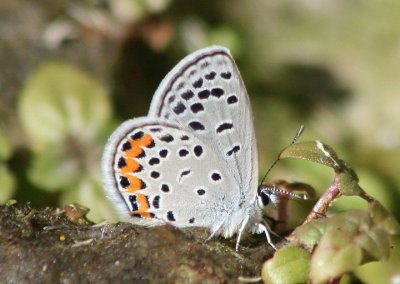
[192,161]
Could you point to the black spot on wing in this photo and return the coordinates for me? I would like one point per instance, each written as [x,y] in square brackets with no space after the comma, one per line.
[141,155]
[233,150]
[196,125]
[224,126]
[198,83]
[226,75]
[187,95]
[156,202]
[154,161]
[184,173]
[155,129]
[155,174]
[138,135]
[204,94]
[121,163]
[124,181]
[196,107]
[179,108]
[170,216]
[151,145]
[217,92]
[232,99]
[183,153]
[164,188]
[210,76]
[163,153]
[171,99]
[215,176]
[134,203]
[126,146]
[167,138]
[198,150]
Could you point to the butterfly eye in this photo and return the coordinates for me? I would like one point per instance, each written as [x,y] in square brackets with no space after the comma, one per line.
[264,195]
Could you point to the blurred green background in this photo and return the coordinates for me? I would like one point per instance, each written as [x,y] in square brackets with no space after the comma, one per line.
[71,71]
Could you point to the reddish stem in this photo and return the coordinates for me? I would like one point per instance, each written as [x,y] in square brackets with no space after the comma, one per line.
[321,207]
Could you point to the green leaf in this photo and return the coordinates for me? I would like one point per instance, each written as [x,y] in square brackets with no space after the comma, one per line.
[351,221]
[375,243]
[335,255]
[383,219]
[289,265]
[61,101]
[11,202]
[313,151]
[357,226]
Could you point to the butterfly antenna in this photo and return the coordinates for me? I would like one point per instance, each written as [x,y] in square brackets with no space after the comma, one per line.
[299,132]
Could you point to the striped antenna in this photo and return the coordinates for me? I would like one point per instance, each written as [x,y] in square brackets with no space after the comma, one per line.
[299,132]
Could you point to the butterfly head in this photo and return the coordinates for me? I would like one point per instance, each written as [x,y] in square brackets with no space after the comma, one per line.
[271,194]
[267,194]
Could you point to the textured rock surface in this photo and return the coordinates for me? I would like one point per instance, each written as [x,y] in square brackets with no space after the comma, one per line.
[44,246]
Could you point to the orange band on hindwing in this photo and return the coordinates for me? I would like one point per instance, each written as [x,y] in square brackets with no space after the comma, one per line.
[135,184]
[131,167]
[137,145]
[128,165]
[140,205]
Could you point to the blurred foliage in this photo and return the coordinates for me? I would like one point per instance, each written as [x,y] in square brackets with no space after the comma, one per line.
[333,66]
[7,180]
[66,116]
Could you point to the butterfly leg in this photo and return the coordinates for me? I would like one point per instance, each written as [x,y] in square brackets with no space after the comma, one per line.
[264,228]
[241,229]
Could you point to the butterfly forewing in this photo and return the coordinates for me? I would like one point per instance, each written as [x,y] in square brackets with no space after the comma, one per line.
[205,95]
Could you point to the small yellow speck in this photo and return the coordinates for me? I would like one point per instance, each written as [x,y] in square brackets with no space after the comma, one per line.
[63,238]
[126,235]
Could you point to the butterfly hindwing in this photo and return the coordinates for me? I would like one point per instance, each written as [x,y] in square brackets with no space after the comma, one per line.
[161,172]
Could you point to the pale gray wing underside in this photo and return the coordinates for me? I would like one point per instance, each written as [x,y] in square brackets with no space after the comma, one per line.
[177,178]
[205,94]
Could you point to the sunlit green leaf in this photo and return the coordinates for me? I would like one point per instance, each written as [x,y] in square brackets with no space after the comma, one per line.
[313,151]
[289,265]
